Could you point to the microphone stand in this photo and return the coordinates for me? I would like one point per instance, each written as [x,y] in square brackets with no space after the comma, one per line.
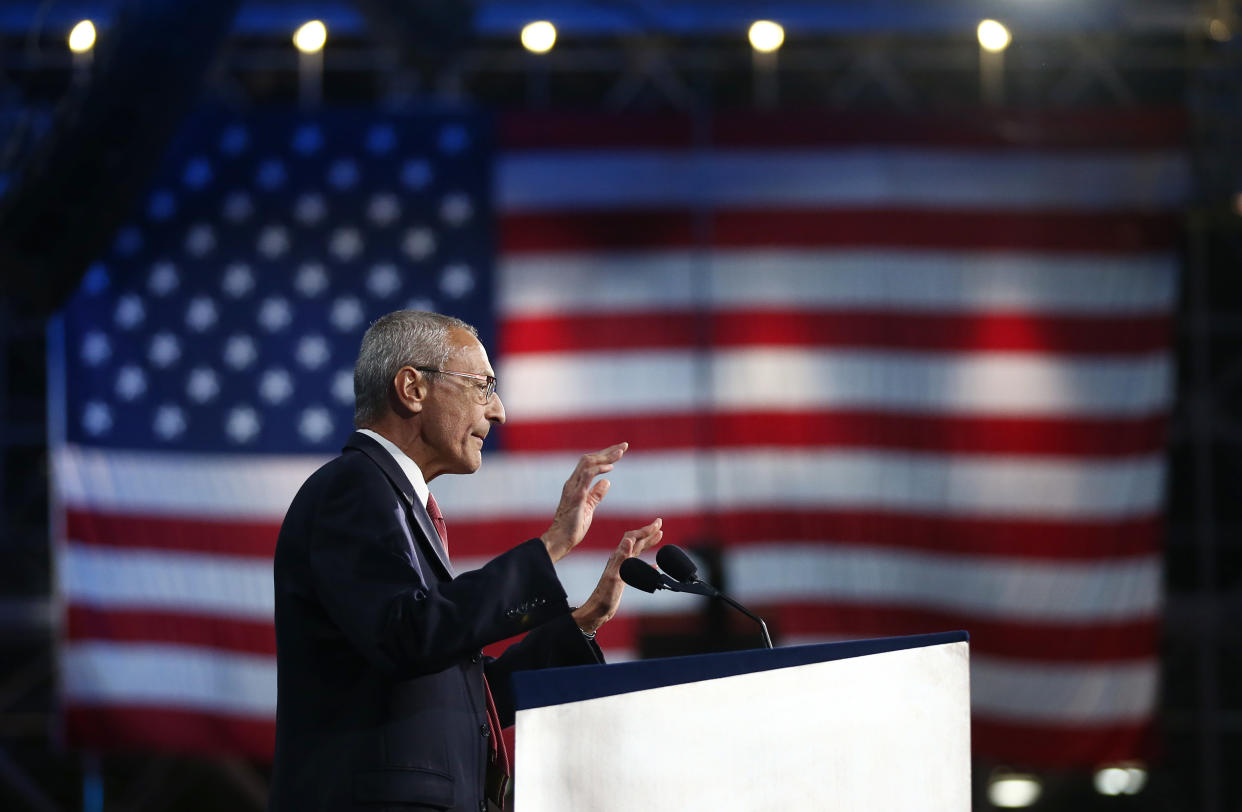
[763,627]
[716,593]
[641,575]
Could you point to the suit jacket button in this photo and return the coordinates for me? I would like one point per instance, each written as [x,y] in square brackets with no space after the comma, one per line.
[485,731]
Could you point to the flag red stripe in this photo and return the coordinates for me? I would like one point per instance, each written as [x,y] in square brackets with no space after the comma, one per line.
[1034,539]
[1009,538]
[136,727]
[1045,130]
[222,537]
[1035,232]
[1133,640]
[151,626]
[139,727]
[1080,437]
[1027,744]
[883,329]
[244,636]
[1022,641]
[241,636]
[1098,641]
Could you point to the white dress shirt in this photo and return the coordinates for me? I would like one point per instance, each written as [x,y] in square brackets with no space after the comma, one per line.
[408,466]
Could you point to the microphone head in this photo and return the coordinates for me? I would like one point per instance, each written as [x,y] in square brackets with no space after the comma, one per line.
[673,560]
[640,575]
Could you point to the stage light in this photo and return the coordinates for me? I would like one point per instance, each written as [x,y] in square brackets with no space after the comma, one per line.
[1111,781]
[310,37]
[993,36]
[1120,779]
[538,37]
[82,37]
[1237,204]
[1013,790]
[766,36]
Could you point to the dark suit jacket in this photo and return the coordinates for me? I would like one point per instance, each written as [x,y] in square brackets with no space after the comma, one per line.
[380,675]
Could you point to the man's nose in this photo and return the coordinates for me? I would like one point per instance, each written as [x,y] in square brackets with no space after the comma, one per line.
[495,409]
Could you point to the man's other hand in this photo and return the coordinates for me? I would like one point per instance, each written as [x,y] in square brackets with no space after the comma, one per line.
[603,603]
[579,498]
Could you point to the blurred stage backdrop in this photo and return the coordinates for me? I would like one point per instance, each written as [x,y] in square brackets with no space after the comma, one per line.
[882,375]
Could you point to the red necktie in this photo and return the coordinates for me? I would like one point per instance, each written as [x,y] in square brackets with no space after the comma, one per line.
[437,518]
[499,757]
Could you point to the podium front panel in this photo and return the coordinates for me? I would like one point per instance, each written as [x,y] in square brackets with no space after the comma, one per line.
[877,731]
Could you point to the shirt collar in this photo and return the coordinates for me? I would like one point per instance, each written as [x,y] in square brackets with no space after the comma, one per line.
[408,466]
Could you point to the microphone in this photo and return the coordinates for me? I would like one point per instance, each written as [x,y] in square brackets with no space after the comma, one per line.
[641,575]
[673,560]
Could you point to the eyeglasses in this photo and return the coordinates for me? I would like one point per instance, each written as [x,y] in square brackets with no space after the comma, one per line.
[486,388]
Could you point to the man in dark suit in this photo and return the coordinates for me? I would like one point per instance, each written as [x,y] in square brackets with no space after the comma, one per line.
[383,702]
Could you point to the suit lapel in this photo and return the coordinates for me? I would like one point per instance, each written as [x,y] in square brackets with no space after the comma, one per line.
[381,457]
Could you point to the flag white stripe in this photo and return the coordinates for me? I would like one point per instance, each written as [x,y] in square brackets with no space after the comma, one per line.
[198,583]
[1072,694]
[158,675]
[181,485]
[550,385]
[1056,692]
[1029,591]
[941,281]
[848,177]
[1011,589]
[241,588]
[520,485]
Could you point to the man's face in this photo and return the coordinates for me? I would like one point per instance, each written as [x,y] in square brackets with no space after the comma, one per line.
[455,419]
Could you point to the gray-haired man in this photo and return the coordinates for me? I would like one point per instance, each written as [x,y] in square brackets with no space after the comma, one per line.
[383,699]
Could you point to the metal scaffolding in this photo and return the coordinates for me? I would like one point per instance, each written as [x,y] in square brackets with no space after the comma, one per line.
[1194,67]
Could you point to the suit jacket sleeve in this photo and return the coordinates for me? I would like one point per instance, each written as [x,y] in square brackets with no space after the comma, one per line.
[403,619]
[559,642]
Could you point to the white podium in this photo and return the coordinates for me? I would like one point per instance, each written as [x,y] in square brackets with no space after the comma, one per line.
[865,725]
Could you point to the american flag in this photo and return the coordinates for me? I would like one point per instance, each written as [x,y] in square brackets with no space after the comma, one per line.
[900,375]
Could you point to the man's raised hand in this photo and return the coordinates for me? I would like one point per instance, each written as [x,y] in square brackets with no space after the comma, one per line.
[579,498]
[602,605]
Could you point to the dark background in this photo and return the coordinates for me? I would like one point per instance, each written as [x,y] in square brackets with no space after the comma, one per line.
[900,57]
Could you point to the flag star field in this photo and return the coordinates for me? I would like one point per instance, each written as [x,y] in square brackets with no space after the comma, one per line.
[227,315]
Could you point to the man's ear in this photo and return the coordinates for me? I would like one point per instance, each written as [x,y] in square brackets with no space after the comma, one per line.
[409,391]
